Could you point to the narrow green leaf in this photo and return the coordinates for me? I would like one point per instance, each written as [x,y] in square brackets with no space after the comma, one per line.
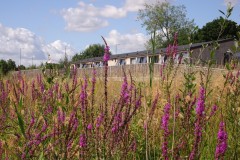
[20,120]
[20,103]
[221,12]
[41,157]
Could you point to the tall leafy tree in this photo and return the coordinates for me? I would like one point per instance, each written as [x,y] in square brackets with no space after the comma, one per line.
[3,67]
[211,30]
[11,65]
[166,19]
[95,50]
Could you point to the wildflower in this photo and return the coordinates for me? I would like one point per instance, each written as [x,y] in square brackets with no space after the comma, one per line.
[67,87]
[164,126]
[106,56]
[74,73]
[198,124]
[61,116]
[222,142]
[213,111]
[1,149]
[82,141]
[99,120]
[75,125]
[23,156]
[124,91]
[138,103]
[201,103]
[154,104]
[133,146]
[117,122]
[89,127]
[83,94]
[32,121]
[33,90]
[44,127]
[69,145]
[93,80]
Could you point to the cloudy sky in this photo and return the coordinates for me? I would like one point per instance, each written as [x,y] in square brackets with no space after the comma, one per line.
[35,29]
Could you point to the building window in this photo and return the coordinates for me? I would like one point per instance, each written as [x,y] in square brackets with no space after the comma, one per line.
[122,62]
[133,60]
[141,59]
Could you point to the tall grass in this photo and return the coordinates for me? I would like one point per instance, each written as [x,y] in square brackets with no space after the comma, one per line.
[50,117]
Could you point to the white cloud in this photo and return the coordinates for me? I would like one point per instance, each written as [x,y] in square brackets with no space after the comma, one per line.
[87,17]
[231,2]
[125,43]
[133,5]
[21,41]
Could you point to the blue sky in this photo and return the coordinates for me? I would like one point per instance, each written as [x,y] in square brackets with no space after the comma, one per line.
[41,27]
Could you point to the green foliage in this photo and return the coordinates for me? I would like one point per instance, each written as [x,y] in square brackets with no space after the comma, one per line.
[11,65]
[6,66]
[166,19]
[211,30]
[95,50]
[3,67]
[21,67]
[19,116]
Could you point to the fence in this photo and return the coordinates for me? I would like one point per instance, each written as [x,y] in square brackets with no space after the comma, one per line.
[136,70]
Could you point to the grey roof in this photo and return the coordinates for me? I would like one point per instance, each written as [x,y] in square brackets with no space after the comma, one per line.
[148,52]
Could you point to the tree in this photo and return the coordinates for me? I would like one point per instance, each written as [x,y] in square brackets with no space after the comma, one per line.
[3,67]
[95,50]
[211,30]
[11,65]
[166,20]
[21,67]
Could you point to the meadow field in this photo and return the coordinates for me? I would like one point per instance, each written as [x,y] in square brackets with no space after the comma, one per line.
[182,114]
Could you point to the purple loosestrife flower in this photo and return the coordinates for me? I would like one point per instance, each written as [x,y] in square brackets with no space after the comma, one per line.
[154,104]
[33,90]
[23,156]
[67,87]
[74,73]
[200,108]
[138,102]
[99,120]
[238,74]
[61,116]
[106,56]
[56,87]
[124,91]
[90,126]
[164,126]
[213,111]
[69,145]
[75,124]
[222,142]
[133,146]
[83,95]
[117,122]
[93,83]
[82,141]
[48,110]
[1,149]
[201,103]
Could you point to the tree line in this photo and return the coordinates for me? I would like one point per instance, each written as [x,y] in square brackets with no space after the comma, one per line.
[161,20]
[164,20]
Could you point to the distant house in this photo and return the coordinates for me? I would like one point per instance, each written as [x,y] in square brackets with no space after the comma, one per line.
[198,54]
